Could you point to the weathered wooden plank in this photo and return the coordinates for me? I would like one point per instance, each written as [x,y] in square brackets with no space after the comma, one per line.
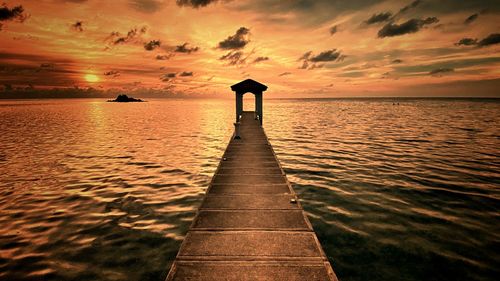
[250,225]
[252,244]
[250,271]
[250,201]
[248,179]
[249,189]
[250,219]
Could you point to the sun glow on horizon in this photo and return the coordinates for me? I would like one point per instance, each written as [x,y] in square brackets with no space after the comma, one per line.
[92,78]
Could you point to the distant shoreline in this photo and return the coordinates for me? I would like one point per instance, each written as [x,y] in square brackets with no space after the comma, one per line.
[302,98]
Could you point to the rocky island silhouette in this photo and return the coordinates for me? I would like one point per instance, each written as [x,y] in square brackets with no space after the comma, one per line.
[125,98]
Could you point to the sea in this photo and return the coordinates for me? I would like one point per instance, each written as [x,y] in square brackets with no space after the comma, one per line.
[395,188]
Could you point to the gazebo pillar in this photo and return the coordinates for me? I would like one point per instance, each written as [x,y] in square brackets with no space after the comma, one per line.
[239,105]
[258,106]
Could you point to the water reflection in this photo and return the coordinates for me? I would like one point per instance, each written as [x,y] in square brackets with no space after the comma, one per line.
[106,191]
[408,191]
[99,191]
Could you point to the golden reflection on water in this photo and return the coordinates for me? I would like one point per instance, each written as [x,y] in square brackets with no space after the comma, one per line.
[112,182]
[91,190]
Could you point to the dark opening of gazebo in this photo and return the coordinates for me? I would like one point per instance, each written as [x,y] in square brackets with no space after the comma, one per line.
[249,86]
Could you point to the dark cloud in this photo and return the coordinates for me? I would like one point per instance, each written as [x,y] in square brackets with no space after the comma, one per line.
[378,18]
[440,71]
[15,14]
[410,26]
[112,73]
[466,42]
[145,6]
[333,30]
[397,61]
[236,41]
[116,38]
[185,49]
[78,26]
[492,39]
[471,18]
[330,55]
[310,61]
[234,58]
[151,45]
[194,3]
[168,77]
[412,5]
[260,59]
[284,73]
[164,57]
[186,74]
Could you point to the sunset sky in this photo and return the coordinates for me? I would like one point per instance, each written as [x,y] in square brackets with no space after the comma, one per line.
[299,48]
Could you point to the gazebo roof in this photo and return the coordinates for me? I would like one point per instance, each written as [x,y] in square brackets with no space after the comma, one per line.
[248,85]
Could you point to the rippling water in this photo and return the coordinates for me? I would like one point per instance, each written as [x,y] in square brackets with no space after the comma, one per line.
[102,191]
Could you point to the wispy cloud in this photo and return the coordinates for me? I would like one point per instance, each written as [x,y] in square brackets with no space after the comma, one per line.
[471,18]
[234,58]
[408,7]
[117,38]
[333,29]
[440,71]
[260,59]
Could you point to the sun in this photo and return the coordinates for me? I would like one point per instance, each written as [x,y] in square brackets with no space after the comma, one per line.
[92,78]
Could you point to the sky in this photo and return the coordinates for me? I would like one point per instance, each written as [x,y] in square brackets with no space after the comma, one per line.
[298,48]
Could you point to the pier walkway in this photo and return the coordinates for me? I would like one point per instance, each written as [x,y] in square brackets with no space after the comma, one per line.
[250,225]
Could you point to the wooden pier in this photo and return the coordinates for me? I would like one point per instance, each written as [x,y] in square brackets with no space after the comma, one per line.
[250,225]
